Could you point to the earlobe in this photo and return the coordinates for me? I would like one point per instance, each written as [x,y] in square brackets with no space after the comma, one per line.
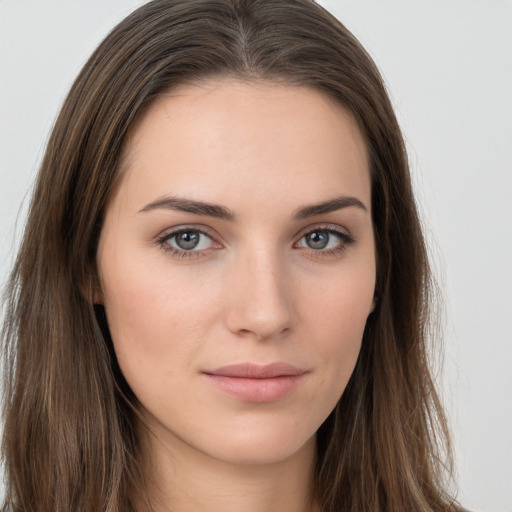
[97,292]
[91,291]
[97,298]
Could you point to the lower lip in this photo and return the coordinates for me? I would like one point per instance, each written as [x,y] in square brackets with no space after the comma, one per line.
[256,390]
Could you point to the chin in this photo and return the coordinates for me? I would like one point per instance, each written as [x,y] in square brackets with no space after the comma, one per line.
[268,446]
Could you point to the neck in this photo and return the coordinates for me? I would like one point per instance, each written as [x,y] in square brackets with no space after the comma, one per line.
[184,479]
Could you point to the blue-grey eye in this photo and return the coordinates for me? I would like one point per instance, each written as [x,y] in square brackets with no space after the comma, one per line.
[320,239]
[189,240]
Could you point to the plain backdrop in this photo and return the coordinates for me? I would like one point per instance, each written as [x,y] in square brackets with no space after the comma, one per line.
[448,67]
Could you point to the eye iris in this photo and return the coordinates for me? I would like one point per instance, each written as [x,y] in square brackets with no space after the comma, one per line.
[317,239]
[187,240]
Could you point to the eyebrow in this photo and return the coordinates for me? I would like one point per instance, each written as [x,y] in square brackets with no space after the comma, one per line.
[329,206]
[181,204]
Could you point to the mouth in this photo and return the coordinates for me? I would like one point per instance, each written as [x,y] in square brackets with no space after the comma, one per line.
[256,383]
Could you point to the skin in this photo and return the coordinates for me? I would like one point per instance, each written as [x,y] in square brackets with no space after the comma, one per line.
[253,290]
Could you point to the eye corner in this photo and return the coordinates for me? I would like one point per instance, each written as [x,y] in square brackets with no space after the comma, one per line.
[193,248]
[325,247]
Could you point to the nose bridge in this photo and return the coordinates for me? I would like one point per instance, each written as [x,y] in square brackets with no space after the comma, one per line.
[261,301]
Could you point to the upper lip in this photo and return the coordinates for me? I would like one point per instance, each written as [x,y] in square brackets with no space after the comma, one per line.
[257,371]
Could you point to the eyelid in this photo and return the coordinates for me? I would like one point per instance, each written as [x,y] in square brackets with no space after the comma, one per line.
[200,228]
[324,227]
[345,240]
[176,252]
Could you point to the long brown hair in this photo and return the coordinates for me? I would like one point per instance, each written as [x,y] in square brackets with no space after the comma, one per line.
[69,441]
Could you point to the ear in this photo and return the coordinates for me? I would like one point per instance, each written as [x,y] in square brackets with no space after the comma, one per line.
[97,296]
[91,290]
[374,304]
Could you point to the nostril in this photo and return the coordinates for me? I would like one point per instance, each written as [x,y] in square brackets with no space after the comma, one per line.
[260,335]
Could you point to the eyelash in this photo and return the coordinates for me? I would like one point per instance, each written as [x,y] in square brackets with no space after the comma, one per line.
[345,240]
[180,253]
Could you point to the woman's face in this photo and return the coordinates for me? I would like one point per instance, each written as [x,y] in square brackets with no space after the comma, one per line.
[237,266]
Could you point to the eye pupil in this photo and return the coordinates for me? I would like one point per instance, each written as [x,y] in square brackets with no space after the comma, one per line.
[317,239]
[187,240]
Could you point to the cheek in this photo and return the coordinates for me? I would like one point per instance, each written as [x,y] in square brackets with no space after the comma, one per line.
[343,301]
[159,316]
[337,316]
[153,333]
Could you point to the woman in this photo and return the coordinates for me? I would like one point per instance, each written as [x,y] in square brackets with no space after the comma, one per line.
[222,297]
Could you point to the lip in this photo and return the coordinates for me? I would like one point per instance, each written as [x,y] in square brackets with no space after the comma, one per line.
[255,383]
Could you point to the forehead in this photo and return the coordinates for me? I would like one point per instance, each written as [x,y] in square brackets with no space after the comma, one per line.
[258,137]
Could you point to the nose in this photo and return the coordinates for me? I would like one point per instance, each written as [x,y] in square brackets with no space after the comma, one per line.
[260,298]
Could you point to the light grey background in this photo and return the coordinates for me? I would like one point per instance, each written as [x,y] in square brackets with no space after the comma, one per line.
[448,65]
